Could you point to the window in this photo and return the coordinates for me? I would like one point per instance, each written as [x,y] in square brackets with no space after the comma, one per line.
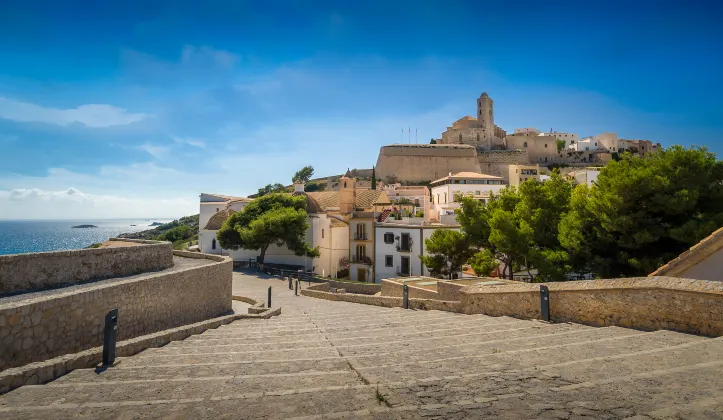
[445,198]
[460,138]
[216,209]
[322,234]
[416,202]
[213,244]
[545,157]
[520,179]
[389,261]
[361,252]
[388,238]
[525,144]
[545,145]
[476,193]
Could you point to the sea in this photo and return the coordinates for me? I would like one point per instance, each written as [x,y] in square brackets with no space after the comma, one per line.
[19,236]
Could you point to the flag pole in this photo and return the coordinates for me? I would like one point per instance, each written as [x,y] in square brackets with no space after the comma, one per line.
[416,134]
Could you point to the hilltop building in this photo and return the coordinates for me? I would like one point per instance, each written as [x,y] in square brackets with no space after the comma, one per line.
[480,131]
[521,173]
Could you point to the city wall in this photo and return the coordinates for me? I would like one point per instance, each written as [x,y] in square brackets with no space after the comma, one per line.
[648,303]
[41,270]
[497,162]
[425,162]
[46,326]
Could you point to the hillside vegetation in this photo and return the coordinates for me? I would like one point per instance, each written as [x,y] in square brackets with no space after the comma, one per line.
[179,232]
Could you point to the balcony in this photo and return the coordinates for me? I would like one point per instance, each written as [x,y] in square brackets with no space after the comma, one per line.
[361,259]
[361,236]
[404,248]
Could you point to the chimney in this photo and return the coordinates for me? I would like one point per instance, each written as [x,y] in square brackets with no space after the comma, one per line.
[299,187]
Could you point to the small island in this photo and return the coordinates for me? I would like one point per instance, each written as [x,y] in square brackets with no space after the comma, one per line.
[155,224]
[84,226]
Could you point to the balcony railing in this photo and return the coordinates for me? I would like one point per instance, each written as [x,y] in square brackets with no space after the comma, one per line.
[404,248]
[357,259]
[361,236]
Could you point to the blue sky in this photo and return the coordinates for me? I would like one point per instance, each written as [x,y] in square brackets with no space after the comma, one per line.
[133,108]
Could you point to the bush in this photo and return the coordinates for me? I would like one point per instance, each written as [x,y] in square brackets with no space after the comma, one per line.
[176,234]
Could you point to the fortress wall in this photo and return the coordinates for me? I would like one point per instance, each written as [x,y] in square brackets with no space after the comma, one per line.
[413,163]
[497,162]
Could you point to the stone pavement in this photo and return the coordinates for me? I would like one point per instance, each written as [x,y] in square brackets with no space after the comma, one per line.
[323,359]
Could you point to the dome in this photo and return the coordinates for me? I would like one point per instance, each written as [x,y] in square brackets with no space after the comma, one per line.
[312,206]
[217,220]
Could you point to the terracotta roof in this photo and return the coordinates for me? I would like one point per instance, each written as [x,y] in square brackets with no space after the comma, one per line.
[696,254]
[225,197]
[216,221]
[338,223]
[312,205]
[468,175]
[330,199]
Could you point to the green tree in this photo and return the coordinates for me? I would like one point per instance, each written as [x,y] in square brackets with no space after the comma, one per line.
[270,188]
[483,263]
[303,175]
[449,249]
[176,234]
[278,219]
[432,141]
[374,178]
[642,212]
[560,145]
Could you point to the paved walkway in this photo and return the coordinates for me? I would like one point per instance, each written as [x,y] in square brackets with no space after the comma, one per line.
[323,359]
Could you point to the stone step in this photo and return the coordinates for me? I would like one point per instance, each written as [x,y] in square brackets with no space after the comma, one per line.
[312,347]
[395,356]
[217,403]
[196,339]
[147,358]
[243,344]
[243,368]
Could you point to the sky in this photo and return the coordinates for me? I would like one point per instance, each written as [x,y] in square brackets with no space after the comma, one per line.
[133,108]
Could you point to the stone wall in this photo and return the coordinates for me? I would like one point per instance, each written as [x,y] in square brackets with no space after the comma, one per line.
[648,303]
[394,289]
[425,162]
[41,270]
[449,291]
[385,301]
[359,288]
[497,162]
[46,326]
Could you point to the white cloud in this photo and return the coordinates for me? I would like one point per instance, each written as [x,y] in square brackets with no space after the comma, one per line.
[195,142]
[206,55]
[90,115]
[155,151]
[71,203]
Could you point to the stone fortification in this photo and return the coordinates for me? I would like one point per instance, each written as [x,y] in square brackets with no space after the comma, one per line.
[425,162]
[497,162]
[647,303]
[41,270]
[71,320]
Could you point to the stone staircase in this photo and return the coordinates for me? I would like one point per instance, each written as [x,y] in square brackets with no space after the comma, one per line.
[323,359]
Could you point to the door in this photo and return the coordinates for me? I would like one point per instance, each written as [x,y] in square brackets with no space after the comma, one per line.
[405,265]
[361,274]
[405,242]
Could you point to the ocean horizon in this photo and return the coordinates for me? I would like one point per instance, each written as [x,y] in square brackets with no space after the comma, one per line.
[21,236]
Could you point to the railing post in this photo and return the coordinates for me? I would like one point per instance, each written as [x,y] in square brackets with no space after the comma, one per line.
[296,292]
[269,297]
[110,335]
[545,303]
[405,298]
[291,286]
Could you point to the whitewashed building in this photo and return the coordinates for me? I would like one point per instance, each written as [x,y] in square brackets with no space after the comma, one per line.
[398,244]
[445,192]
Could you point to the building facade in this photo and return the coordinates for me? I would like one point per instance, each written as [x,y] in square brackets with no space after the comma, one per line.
[446,192]
[479,131]
[521,173]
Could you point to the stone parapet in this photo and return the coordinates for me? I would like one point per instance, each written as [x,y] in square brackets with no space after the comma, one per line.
[647,303]
[47,326]
[385,301]
[42,270]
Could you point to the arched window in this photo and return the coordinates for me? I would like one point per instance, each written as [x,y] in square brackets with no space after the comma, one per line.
[213,244]
[524,145]
[460,138]
[477,137]
[344,184]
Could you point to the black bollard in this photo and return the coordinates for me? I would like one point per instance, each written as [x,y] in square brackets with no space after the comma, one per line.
[405,298]
[281,274]
[269,296]
[110,335]
[296,292]
[545,303]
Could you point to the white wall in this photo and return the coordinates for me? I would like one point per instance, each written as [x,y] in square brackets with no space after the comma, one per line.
[451,189]
[710,268]
[382,249]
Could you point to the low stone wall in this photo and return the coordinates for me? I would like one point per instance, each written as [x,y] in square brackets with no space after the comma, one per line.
[51,325]
[385,301]
[449,291]
[647,303]
[358,288]
[42,270]
[394,289]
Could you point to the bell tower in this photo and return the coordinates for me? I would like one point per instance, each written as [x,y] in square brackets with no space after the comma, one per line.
[485,112]
[347,193]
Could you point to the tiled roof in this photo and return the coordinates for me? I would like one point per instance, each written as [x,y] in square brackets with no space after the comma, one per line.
[338,223]
[216,221]
[468,175]
[696,254]
[330,199]
[312,205]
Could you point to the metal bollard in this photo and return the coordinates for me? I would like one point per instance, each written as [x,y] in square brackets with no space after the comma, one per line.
[281,274]
[296,292]
[269,296]
[545,303]
[291,286]
[110,335]
[405,298]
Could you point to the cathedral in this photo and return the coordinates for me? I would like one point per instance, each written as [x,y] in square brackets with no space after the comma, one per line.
[480,131]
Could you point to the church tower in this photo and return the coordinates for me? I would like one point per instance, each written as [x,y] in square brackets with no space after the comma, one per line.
[485,112]
[347,193]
